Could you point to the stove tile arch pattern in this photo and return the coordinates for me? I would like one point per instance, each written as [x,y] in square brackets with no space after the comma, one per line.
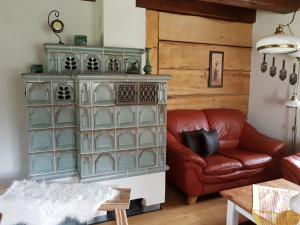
[96,126]
[120,138]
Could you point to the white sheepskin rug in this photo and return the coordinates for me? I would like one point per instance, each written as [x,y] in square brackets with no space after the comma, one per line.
[34,203]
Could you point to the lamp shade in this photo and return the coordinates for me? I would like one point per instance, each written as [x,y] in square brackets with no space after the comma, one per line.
[279,43]
[295,54]
[293,103]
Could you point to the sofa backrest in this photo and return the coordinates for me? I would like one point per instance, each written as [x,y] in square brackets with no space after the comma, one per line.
[229,124]
[186,120]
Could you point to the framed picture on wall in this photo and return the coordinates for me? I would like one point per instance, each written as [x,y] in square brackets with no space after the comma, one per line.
[216,67]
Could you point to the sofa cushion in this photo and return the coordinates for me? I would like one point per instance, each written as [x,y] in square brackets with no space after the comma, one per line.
[220,165]
[229,124]
[191,139]
[186,120]
[229,143]
[209,141]
[202,142]
[249,160]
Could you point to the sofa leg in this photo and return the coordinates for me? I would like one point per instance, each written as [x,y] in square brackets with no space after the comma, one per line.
[191,200]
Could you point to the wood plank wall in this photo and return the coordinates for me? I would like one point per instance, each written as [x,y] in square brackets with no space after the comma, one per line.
[181,49]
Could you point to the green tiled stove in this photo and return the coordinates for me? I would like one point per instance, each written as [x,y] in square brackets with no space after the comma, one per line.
[95,115]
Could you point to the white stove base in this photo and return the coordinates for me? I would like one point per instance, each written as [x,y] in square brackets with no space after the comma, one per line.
[151,187]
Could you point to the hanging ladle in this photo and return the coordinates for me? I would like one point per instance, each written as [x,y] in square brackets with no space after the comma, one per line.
[293,76]
[273,68]
[264,65]
[283,72]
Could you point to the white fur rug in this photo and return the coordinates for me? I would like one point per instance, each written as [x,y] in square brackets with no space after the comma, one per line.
[43,203]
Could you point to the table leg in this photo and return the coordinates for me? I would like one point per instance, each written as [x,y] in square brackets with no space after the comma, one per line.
[118,217]
[124,217]
[121,217]
[232,214]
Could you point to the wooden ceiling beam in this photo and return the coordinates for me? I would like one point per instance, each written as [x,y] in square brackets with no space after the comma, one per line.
[200,8]
[278,6]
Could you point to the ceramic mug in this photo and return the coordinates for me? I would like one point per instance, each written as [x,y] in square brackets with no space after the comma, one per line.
[80,40]
[36,68]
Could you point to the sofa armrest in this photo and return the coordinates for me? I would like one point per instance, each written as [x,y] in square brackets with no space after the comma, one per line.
[176,148]
[252,140]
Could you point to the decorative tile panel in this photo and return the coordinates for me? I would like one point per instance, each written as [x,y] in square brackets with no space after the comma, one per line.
[104,117]
[66,161]
[162,114]
[148,93]
[162,134]
[38,93]
[127,160]
[64,116]
[42,163]
[86,59]
[132,65]
[84,94]
[63,92]
[161,157]
[147,137]
[126,93]
[113,64]
[85,143]
[70,63]
[65,139]
[162,93]
[126,116]
[40,117]
[126,139]
[85,118]
[147,115]
[104,163]
[147,158]
[86,166]
[41,140]
[104,94]
[92,64]
[53,62]
[104,141]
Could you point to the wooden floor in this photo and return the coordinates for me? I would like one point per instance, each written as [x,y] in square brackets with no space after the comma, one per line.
[208,211]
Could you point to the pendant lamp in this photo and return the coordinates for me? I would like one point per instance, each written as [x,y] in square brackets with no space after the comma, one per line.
[279,42]
[293,102]
[295,54]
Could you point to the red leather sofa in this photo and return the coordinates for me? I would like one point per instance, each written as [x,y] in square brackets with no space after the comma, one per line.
[245,156]
[291,168]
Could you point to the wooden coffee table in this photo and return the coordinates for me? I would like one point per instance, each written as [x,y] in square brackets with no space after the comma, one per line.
[239,200]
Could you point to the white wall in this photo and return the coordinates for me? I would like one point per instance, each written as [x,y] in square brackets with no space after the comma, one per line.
[124,24]
[24,30]
[267,111]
